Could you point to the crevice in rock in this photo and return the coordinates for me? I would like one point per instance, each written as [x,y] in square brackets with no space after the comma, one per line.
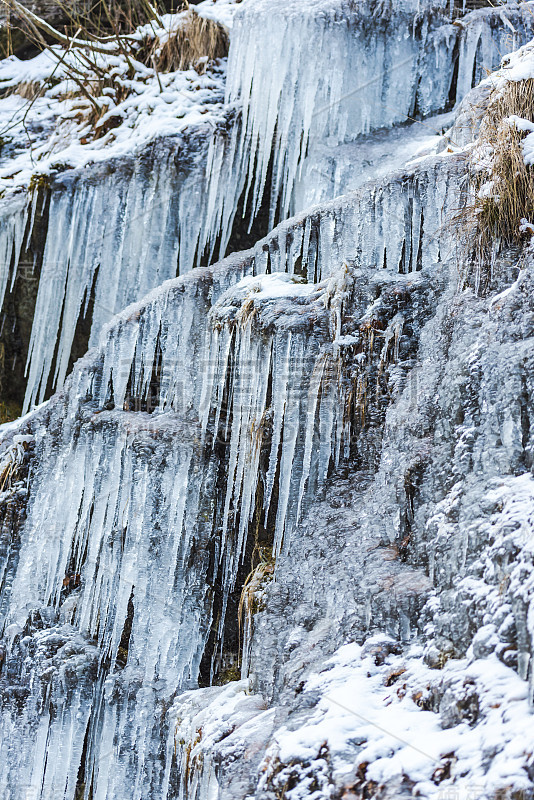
[18,310]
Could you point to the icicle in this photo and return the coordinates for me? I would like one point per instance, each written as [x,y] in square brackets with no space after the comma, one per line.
[297,121]
[485,39]
[13,221]
[116,238]
[286,111]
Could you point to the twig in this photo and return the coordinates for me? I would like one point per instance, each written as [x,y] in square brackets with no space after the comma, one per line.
[32,102]
[36,22]
[154,64]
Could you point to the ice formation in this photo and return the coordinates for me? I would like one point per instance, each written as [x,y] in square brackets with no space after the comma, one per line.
[156,217]
[406,68]
[12,232]
[186,191]
[254,380]
[316,452]
[169,198]
[143,508]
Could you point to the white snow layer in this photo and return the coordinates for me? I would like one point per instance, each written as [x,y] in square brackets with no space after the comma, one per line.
[373,715]
[52,132]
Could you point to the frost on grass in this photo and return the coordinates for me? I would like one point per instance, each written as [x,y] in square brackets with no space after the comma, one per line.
[501,163]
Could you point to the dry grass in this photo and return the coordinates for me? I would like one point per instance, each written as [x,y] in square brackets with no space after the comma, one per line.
[97,19]
[29,90]
[250,602]
[493,220]
[11,465]
[194,41]
[255,582]
[197,42]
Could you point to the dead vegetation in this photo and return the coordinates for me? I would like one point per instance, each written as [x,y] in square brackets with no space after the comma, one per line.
[196,42]
[29,90]
[114,29]
[256,581]
[13,464]
[96,19]
[135,30]
[251,600]
[502,184]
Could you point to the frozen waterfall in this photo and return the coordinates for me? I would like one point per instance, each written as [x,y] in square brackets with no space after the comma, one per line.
[364,71]
[164,209]
[117,232]
[220,382]
[152,506]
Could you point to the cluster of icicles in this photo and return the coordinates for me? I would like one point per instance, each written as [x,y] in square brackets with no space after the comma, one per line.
[114,235]
[146,523]
[160,503]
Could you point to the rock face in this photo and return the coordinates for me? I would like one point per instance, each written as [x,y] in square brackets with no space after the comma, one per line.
[412,550]
[273,536]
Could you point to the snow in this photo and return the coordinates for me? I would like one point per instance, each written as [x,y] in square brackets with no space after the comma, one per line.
[155,106]
[269,287]
[365,716]
[52,132]
[203,719]
[527,145]
[528,149]
[520,124]
[508,531]
[222,11]
[517,66]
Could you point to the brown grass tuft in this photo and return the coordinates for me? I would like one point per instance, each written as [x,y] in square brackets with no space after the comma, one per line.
[492,221]
[29,90]
[197,42]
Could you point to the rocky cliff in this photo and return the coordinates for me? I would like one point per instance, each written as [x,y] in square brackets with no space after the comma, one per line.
[271,536]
